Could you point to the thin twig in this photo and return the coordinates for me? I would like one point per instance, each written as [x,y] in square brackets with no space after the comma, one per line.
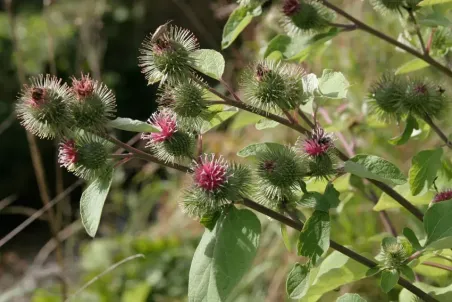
[438,131]
[305,118]
[430,40]
[111,268]
[22,210]
[7,201]
[437,265]
[231,91]
[418,30]
[425,57]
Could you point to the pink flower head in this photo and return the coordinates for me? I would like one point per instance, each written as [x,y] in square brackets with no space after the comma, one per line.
[211,173]
[442,196]
[291,7]
[318,144]
[165,122]
[83,87]
[37,96]
[67,154]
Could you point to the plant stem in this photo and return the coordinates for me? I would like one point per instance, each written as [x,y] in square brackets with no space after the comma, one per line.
[425,57]
[438,131]
[345,27]
[418,30]
[437,265]
[430,40]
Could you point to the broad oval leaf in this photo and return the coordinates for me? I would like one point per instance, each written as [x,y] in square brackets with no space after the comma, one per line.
[412,238]
[92,203]
[238,20]
[410,125]
[297,283]
[314,239]
[389,279]
[322,202]
[413,65]
[217,119]
[243,119]
[223,256]
[127,124]
[424,167]
[351,298]
[442,294]
[266,124]
[374,167]
[333,84]
[252,150]
[433,2]
[209,62]
[438,225]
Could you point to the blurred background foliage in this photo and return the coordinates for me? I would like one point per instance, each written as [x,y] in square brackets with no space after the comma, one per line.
[141,215]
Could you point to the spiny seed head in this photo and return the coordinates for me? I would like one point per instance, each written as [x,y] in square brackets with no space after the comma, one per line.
[273,86]
[211,173]
[386,96]
[216,184]
[386,6]
[86,155]
[279,172]
[168,144]
[42,107]
[442,196]
[165,122]
[92,103]
[301,16]
[166,56]
[422,98]
[394,252]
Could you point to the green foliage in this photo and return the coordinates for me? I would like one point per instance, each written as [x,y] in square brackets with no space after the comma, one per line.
[386,202]
[333,85]
[127,124]
[350,298]
[92,203]
[388,280]
[314,239]
[374,167]
[237,22]
[254,149]
[423,171]
[438,226]
[297,283]
[220,261]
[323,202]
[208,62]
[413,65]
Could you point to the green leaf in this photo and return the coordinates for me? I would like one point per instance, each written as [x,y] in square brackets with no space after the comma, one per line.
[410,125]
[333,84]
[411,236]
[243,119]
[413,65]
[433,2]
[208,62]
[209,221]
[92,203]
[252,150]
[278,43]
[303,46]
[424,168]
[438,225]
[238,20]
[128,124]
[334,271]
[314,239]
[266,124]
[224,255]
[297,283]
[217,119]
[350,298]
[407,272]
[373,271]
[310,84]
[374,167]
[388,280]
[322,202]
[386,202]
[285,237]
[137,292]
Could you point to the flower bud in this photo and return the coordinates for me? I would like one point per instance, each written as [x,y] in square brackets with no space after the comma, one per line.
[86,155]
[318,149]
[42,107]
[442,196]
[166,54]
[305,16]
[188,100]
[273,86]
[280,171]
[215,184]
[423,99]
[394,252]
[169,144]
[386,96]
[92,104]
